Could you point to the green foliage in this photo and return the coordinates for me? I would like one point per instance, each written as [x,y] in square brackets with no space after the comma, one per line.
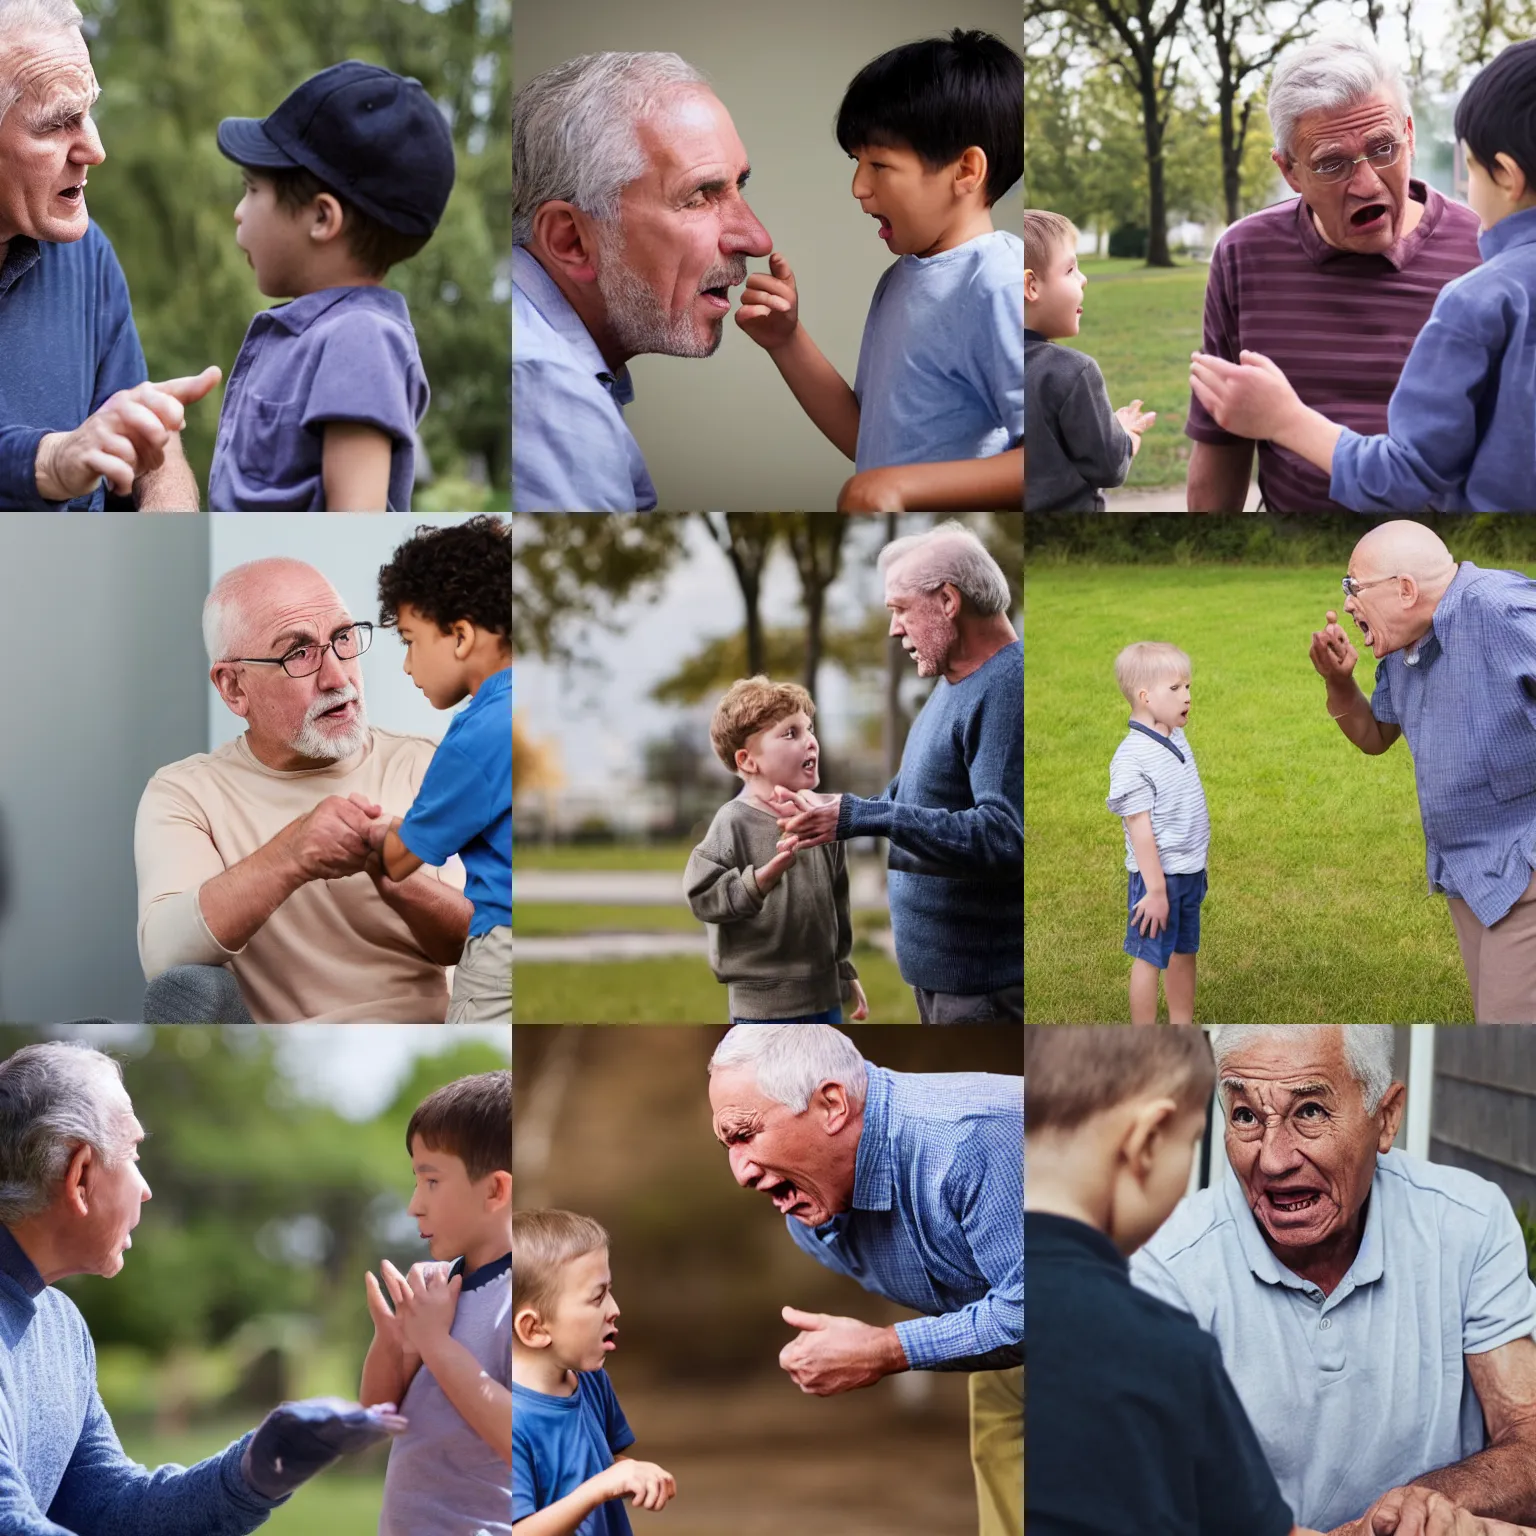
[1528,1232]
[171,69]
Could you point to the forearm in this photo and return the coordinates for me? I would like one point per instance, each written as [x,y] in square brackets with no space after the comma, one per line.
[485,1405]
[1351,710]
[172,487]
[986,836]
[1219,474]
[399,861]
[718,894]
[386,1375]
[822,391]
[236,903]
[1144,846]
[951,485]
[1499,1482]
[564,1517]
[437,915]
[1310,434]
[985,1327]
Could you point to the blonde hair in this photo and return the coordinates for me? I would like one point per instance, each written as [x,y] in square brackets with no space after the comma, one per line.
[1143,662]
[543,1243]
[750,704]
[1046,233]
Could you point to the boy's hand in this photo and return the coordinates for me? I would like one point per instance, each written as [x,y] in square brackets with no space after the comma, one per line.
[425,1302]
[647,1484]
[769,311]
[809,818]
[860,1003]
[386,1326]
[1250,397]
[771,872]
[1333,656]
[1135,421]
[1150,914]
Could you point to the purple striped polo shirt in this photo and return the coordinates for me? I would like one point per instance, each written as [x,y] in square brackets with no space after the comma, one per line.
[1340,325]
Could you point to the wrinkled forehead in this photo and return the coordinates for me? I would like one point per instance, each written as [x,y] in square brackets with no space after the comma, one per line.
[1334,130]
[734,1096]
[691,139]
[1278,1070]
[292,608]
[52,70]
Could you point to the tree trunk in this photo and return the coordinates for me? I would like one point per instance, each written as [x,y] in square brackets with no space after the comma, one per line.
[1157,194]
[746,538]
[816,541]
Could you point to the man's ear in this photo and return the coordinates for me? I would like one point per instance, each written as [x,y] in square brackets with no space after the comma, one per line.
[970,170]
[833,1099]
[950,600]
[81,1170]
[226,677]
[568,237]
[1391,1108]
[1284,162]
[327,220]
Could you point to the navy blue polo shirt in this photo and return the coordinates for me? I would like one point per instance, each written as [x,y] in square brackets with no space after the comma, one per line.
[1133,1424]
[338,354]
[464,805]
[67,343]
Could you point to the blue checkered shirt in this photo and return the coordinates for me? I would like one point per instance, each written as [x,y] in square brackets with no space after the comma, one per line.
[1467,705]
[938,1211]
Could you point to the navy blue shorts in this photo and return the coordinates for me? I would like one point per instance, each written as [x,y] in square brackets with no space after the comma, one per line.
[1182,935]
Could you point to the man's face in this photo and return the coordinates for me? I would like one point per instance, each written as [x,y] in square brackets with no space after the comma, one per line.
[448,1208]
[1378,609]
[116,1192]
[684,233]
[918,619]
[1365,211]
[47,140]
[430,662]
[787,1157]
[786,752]
[1298,1136]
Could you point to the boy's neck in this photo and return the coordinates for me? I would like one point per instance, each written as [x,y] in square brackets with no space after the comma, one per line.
[479,669]
[334,277]
[756,788]
[970,225]
[1144,717]
[1030,326]
[538,1372]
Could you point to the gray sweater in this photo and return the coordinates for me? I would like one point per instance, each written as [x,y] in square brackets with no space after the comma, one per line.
[1076,444]
[784,954]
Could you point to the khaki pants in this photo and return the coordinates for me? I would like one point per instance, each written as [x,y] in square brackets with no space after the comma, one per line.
[1500,961]
[997,1450]
[482,983]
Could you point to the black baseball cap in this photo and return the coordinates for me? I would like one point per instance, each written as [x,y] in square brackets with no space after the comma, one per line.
[376,138]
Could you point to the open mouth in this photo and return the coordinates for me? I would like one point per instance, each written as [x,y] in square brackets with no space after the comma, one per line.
[718,297]
[884,231]
[1292,1203]
[1364,626]
[610,1339]
[1368,217]
[338,712]
[785,1196]
[808,765]
[73,194]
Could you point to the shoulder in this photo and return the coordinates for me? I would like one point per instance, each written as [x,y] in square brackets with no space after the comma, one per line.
[1448,1192]
[376,317]
[1270,231]
[186,775]
[596,1390]
[1199,1229]
[995,265]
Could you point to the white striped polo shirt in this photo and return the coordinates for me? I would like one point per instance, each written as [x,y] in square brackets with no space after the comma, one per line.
[1157,773]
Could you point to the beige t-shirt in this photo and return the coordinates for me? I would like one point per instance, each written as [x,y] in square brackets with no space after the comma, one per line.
[334,951]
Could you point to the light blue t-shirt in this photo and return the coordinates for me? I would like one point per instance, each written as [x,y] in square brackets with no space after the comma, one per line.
[571,450]
[941,366]
[1364,1390]
[560,1442]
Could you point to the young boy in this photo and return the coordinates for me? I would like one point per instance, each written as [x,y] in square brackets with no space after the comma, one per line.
[1134,1424]
[1155,787]
[443,1353]
[779,927]
[1079,444]
[1461,424]
[449,593]
[347,177]
[568,1476]
[935,417]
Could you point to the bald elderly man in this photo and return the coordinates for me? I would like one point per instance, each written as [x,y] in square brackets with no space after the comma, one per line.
[1456,673]
[259,895]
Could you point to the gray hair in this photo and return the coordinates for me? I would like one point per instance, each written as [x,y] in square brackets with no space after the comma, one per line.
[790,1061]
[23,19]
[55,1098]
[1367,1050]
[1326,75]
[950,553]
[573,131]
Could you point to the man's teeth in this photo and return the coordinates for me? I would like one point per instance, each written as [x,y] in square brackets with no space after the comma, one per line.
[1300,1202]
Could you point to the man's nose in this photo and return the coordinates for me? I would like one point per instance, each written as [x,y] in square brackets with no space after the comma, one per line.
[1277,1148]
[88,149]
[745,233]
[333,671]
[1364,181]
[146,1193]
[743,1169]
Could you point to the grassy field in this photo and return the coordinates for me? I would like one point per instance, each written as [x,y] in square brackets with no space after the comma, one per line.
[595,856]
[1318,909]
[547,919]
[1140,324]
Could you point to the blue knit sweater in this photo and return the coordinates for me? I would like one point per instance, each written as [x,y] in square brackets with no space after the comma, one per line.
[954,816]
[62,1470]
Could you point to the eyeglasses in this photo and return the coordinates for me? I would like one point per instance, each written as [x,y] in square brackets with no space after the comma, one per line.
[1353,588]
[305,660]
[1342,168]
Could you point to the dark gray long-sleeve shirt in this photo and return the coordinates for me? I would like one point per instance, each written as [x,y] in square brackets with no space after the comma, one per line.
[1077,446]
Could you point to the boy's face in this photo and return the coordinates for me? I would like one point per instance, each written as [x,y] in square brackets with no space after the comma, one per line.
[1053,299]
[450,1211]
[1167,701]
[784,753]
[1494,192]
[911,203]
[584,1325]
[431,658]
[1146,1195]
[275,239]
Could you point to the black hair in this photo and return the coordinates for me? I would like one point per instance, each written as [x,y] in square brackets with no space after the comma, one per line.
[458,571]
[375,246]
[937,98]
[1497,112]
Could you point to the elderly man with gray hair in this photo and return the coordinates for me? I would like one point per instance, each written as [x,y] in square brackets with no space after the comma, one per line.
[1373,1309]
[1335,285]
[629,230]
[913,1185]
[954,815]
[70,1193]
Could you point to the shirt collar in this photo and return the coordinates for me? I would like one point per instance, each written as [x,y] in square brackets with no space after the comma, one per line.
[21,255]
[299,314]
[542,291]
[872,1178]
[1157,736]
[1443,620]
[1515,229]
[474,1279]
[15,1265]
[492,688]
[1399,255]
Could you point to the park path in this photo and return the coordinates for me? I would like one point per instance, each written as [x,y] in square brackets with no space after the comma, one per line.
[657,887]
[576,948]
[1165,498]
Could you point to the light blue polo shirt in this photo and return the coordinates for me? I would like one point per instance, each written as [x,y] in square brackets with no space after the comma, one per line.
[571,449]
[1366,1389]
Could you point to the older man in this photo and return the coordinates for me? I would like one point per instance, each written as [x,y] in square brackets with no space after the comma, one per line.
[1334,286]
[913,1185]
[954,815]
[1373,1309]
[257,857]
[629,230]
[70,1193]
[75,411]
[1456,674]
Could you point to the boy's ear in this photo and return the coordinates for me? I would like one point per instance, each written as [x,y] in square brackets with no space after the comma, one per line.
[1508,177]
[1139,1144]
[971,170]
[499,1188]
[529,1330]
[327,220]
[1031,286]
[463,632]
[744,763]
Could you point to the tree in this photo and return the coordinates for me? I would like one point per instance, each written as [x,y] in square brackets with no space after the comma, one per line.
[816,542]
[747,539]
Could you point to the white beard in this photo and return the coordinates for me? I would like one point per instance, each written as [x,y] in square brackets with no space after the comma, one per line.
[332,746]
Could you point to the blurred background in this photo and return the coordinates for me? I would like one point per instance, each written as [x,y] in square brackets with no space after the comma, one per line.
[105,681]
[277,1162]
[169,70]
[615,1123]
[628,629]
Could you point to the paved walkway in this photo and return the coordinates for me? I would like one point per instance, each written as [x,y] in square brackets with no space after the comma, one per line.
[656,887]
[1168,498]
[584,948]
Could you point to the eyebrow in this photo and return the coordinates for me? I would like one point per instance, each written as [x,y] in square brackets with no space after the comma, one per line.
[64,111]
[719,184]
[425,1168]
[304,635]
[1317,1090]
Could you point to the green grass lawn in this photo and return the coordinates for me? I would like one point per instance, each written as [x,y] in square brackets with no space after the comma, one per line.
[1140,324]
[1318,908]
[589,856]
[548,919]
[671,991]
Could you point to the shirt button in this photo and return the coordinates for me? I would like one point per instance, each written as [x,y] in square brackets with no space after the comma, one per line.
[1327,1322]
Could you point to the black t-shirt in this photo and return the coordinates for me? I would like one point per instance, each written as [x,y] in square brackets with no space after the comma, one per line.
[1133,1425]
